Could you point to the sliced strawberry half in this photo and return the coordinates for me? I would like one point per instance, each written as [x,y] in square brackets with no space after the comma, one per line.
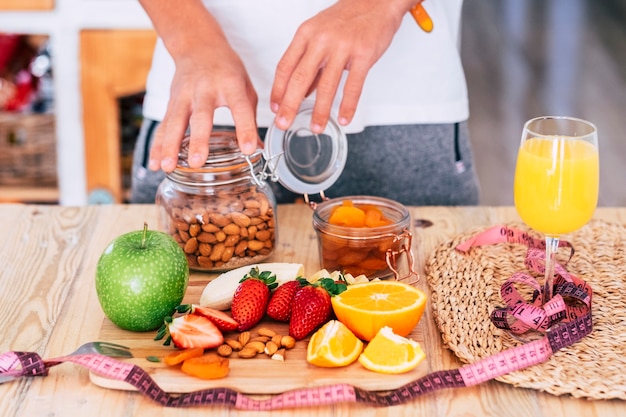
[190,331]
[221,319]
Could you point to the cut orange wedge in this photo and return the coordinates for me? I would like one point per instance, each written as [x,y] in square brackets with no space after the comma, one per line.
[333,345]
[368,307]
[389,353]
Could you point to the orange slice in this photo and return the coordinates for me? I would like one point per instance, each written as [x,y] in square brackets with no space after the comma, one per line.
[389,353]
[368,307]
[333,345]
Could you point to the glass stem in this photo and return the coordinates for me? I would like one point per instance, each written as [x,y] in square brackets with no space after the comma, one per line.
[552,246]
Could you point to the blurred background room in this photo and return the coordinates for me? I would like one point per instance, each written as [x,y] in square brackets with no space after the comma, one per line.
[72,72]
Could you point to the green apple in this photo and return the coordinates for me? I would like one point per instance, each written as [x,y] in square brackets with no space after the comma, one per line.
[140,278]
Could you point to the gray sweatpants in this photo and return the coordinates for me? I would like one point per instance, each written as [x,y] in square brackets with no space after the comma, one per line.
[416,165]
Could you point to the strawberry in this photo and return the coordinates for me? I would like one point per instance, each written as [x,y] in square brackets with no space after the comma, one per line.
[251,298]
[311,307]
[222,320]
[279,307]
[190,331]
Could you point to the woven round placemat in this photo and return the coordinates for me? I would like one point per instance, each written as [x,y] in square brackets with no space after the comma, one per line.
[466,288]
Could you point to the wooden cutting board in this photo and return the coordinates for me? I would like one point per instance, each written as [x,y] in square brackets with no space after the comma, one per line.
[259,375]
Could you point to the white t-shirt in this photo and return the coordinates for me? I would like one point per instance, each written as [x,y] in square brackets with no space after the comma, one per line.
[419,79]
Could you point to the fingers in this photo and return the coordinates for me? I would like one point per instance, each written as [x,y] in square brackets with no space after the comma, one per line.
[317,66]
[295,73]
[200,124]
[197,113]
[325,95]
[325,80]
[297,76]
[352,93]
[168,137]
[244,116]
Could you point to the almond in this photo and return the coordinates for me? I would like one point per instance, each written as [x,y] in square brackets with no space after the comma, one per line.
[219,219]
[264,331]
[279,355]
[244,338]
[231,229]
[235,344]
[288,342]
[224,350]
[255,245]
[247,353]
[217,252]
[263,235]
[277,339]
[241,247]
[194,229]
[240,219]
[210,228]
[228,253]
[262,339]
[232,240]
[256,345]
[191,246]
[206,237]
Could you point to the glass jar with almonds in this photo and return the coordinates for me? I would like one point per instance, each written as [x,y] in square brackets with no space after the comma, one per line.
[222,216]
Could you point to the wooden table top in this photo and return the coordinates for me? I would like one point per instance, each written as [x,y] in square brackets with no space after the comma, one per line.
[48,257]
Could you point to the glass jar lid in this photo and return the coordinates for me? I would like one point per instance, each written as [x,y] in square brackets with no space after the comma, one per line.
[305,162]
[224,164]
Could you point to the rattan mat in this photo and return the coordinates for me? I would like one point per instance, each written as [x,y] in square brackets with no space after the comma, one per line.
[465,289]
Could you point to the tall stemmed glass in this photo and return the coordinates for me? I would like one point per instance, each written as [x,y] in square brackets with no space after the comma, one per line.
[556,181]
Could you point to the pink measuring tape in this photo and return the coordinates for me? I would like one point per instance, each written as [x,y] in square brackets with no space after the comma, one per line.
[569,320]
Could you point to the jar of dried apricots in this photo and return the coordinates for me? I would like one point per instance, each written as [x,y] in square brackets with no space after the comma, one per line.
[363,235]
[222,214]
[357,235]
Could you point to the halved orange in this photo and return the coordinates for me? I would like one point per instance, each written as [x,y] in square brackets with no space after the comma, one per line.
[368,307]
[333,345]
[389,353]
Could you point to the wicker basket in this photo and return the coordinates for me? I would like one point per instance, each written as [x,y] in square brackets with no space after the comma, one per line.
[27,150]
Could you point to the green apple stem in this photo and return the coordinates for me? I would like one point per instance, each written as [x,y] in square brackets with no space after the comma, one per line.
[145,235]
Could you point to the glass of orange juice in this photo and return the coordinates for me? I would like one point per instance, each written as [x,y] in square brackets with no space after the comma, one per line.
[556,181]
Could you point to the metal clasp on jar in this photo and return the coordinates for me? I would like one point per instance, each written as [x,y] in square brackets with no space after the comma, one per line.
[392,257]
[268,170]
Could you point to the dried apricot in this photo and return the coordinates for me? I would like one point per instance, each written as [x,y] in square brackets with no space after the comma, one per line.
[365,215]
[353,257]
[374,218]
[179,356]
[373,263]
[209,366]
[348,216]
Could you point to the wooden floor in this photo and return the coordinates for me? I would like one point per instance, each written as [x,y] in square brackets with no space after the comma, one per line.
[527,58]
